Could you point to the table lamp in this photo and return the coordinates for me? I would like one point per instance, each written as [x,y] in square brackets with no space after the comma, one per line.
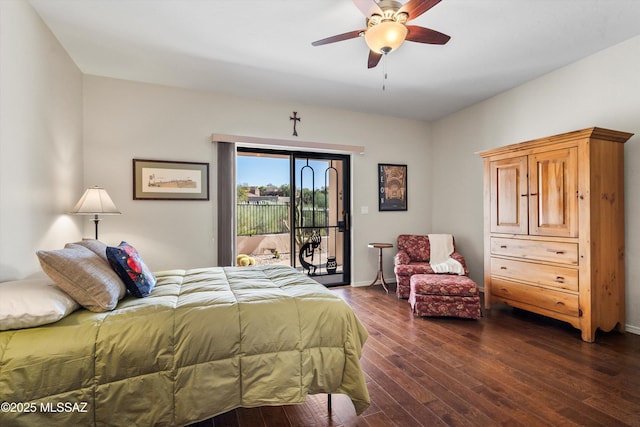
[95,201]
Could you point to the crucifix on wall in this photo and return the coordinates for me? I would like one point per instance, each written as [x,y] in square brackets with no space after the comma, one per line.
[295,119]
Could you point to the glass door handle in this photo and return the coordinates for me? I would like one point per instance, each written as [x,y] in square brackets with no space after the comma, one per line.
[344,224]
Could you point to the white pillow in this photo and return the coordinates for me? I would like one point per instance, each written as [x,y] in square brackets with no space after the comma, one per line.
[32,302]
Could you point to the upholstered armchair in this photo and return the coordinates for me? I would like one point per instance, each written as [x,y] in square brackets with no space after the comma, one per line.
[413,258]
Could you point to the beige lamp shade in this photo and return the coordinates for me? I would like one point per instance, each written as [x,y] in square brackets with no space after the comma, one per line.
[385,37]
[95,201]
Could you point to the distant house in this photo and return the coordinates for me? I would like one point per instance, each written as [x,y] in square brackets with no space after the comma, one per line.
[270,194]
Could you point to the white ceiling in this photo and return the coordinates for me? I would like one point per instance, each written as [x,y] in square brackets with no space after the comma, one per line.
[262,49]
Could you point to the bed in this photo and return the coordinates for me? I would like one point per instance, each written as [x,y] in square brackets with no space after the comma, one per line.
[204,341]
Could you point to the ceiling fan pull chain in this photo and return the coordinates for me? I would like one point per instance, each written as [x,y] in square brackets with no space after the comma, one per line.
[384,72]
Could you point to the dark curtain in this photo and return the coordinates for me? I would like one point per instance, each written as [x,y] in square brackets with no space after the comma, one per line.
[226,204]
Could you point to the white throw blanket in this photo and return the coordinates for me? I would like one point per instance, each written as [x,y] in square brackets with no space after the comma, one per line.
[441,248]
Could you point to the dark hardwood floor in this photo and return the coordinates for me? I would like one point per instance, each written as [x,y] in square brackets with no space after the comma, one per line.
[509,368]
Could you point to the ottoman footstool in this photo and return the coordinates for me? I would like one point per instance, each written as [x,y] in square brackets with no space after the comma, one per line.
[444,295]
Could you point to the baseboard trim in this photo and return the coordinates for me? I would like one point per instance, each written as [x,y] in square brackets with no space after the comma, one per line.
[360,284]
[363,284]
[632,329]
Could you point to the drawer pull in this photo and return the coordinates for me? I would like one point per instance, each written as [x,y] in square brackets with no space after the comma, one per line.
[503,246]
[556,252]
[559,279]
[503,267]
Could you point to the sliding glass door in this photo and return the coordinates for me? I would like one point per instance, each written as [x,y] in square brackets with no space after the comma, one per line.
[321,226]
[292,208]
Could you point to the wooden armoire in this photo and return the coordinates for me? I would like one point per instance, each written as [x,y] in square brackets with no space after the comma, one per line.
[554,228]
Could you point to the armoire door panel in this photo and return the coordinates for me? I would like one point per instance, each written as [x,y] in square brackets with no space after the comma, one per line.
[509,195]
[553,193]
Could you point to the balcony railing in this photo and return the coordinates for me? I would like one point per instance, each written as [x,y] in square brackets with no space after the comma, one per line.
[274,218]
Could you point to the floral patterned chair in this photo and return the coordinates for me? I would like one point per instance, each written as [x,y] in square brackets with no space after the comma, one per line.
[413,258]
[431,293]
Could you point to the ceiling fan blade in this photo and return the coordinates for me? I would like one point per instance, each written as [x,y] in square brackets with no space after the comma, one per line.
[367,7]
[374,58]
[426,35]
[338,38]
[416,8]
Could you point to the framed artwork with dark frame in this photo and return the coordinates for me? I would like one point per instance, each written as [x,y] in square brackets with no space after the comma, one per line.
[168,180]
[392,187]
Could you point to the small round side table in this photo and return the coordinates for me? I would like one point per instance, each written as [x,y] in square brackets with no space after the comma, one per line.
[380,276]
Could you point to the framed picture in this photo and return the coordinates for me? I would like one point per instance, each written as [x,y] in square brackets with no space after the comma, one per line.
[166,180]
[392,187]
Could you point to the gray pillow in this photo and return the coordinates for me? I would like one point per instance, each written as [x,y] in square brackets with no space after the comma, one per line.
[84,275]
[95,246]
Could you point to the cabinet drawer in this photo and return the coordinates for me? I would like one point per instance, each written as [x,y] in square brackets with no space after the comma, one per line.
[560,302]
[560,252]
[540,274]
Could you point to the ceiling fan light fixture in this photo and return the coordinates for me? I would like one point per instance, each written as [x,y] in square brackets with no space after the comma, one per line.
[385,37]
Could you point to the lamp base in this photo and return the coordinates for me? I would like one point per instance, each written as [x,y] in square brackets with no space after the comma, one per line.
[96,220]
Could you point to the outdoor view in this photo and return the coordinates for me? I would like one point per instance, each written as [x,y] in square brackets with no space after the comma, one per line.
[264,213]
[263,196]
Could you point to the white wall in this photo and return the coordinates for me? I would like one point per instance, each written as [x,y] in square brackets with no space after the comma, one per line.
[602,90]
[126,120]
[40,140]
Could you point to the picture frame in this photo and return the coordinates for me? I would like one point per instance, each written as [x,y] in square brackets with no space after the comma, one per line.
[170,180]
[392,187]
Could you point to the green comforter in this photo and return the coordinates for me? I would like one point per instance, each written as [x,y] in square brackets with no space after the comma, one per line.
[204,342]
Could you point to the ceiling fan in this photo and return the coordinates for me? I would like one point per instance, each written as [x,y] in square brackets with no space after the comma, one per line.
[386,27]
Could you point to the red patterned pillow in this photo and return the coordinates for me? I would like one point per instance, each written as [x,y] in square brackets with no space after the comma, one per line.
[127,263]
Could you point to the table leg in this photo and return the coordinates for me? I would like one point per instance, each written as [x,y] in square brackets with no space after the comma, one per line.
[380,275]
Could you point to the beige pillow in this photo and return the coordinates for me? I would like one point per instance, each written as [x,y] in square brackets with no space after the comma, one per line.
[95,246]
[84,275]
